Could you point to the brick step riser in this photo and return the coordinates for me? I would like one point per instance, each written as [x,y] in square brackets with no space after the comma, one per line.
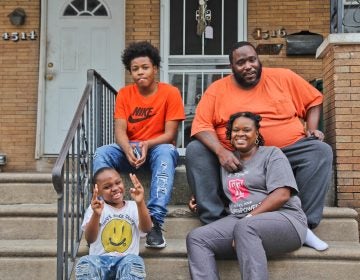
[45,228]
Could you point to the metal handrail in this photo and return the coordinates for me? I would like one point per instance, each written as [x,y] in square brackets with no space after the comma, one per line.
[91,127]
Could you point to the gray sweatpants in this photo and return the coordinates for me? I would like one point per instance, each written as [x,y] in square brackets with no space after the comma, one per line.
[255,238]
[310,159]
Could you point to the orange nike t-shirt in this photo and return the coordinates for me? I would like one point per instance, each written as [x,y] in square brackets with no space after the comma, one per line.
[146,116]
[281,97]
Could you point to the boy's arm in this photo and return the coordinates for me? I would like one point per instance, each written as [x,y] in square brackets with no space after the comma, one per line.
[167,137]
[92,228]
[137,193]
[122,140]
[145,223]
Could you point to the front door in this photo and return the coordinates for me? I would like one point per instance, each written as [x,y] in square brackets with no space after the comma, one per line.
[197,35]
[81,35]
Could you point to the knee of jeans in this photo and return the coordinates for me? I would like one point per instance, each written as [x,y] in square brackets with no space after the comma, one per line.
[83,268]
[167,151]
[100,151]
[136,266]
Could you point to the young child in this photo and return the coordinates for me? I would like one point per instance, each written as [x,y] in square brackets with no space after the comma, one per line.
[147,115]
[113,227]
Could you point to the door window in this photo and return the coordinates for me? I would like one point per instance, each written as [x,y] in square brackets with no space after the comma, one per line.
[194,48]
[85,8]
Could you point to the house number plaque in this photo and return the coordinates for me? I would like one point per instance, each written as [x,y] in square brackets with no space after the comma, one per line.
[16,36]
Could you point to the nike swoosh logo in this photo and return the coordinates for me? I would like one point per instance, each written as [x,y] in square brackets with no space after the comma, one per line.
[132,120]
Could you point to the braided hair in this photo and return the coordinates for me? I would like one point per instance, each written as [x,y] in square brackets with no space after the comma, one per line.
[256,118]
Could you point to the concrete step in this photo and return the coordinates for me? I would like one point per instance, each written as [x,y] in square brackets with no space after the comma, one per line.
[38,256]
[27,193]
[304,264]
[38,188]
[38,221]
[338,224]
[28,221]
[37,259]
[28,259]
[341,259]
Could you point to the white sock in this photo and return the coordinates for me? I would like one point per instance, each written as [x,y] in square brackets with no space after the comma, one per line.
[315,242]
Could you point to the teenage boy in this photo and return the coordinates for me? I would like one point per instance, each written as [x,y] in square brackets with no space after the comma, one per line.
[113,227]
[147,115]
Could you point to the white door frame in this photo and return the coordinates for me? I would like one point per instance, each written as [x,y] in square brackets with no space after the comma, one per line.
[41,84]
[41,101]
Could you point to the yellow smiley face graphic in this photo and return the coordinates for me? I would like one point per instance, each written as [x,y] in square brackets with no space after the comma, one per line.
[116,236]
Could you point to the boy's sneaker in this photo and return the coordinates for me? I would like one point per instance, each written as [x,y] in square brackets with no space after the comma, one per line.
[155,239]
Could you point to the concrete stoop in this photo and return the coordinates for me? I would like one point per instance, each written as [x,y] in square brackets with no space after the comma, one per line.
[28,238]
[340,261]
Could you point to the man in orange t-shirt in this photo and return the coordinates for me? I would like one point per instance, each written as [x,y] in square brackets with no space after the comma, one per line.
[147,115]
[285,101]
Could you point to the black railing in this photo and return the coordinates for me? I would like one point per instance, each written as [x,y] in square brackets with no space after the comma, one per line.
[91,127]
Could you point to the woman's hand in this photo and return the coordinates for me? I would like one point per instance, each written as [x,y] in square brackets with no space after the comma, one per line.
[192,204]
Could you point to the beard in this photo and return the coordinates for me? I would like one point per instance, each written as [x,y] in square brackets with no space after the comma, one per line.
[243,83]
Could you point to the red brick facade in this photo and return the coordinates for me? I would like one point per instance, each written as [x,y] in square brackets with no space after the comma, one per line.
[18,87]
[342,118]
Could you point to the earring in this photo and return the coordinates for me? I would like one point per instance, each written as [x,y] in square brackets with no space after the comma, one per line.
[257,141]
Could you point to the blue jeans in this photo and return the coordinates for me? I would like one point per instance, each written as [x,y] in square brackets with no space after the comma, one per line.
[161,160]
[107,267]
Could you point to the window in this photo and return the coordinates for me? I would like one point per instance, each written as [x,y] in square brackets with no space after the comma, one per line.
[85,8]
[191,60]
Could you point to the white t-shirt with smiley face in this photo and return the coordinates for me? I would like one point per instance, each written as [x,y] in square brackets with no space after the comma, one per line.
[119,232]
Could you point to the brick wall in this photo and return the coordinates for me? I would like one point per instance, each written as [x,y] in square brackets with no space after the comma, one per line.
[294,16]
[18,87]
[142,23]
[342,119]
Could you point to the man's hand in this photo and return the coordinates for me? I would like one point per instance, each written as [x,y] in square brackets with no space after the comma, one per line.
[314,132]
[97,204]
[137,192]
[229,161]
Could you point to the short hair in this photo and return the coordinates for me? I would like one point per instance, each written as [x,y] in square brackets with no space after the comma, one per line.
[140,49]
[100,171]
[238,45]
[256,118]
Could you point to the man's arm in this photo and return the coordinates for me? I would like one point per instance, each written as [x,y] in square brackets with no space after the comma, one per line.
[312,122]
[226,158]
